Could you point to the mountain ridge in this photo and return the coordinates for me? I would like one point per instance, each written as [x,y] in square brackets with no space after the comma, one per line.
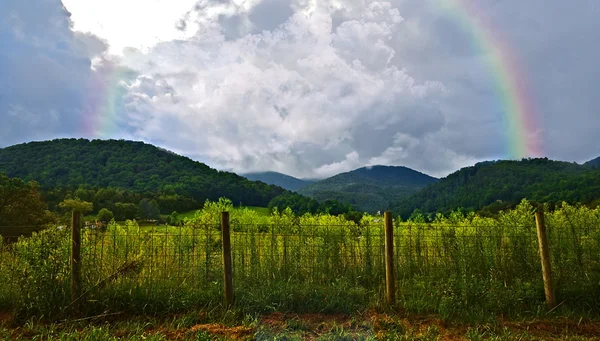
[593,163]
[279,179]
[369,188]
[494,185]
[131,165]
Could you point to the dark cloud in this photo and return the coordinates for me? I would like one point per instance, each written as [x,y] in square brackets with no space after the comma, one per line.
[270,14]
[232,26]
[311,88]
[45,72]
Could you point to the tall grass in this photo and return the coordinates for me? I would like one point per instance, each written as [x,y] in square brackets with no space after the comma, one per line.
[456,266]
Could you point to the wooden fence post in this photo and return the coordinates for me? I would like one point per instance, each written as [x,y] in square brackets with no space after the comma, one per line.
[75,259]
[227,268]
[390,281]
[545,260]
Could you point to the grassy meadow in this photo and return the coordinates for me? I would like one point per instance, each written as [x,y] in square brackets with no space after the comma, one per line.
[183,216]
[460,267]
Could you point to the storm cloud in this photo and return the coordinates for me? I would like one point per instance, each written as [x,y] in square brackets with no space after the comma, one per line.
[308,88]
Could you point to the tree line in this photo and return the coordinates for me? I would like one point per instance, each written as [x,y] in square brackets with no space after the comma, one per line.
[25,207]
[492,186]
[137,169]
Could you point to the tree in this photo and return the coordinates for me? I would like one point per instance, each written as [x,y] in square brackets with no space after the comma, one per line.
[173,219]
[105,215]
[76,205]
[354,216]
[149,209]
[21,206]
[70,206]
[125,211]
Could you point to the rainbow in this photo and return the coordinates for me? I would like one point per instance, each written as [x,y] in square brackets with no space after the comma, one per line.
[517,105]
[108,91]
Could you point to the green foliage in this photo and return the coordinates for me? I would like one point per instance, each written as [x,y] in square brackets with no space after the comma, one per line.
[21,207]
[490,187]
[358,327]
[105,215]
[354,216]
[459,265]
[107,172]
[593,163]
[76,205]
[300,205]
[38,268]
[262,211]
[125,211]
[173,219]
[369,189]
[149,210]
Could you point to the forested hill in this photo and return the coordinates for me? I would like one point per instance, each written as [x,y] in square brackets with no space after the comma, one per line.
[134,166]
[495,185]
[593,163]
[370,188]
[282,180]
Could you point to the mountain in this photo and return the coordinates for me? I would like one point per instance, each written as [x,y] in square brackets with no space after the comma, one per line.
[81,164]
[282,180]
[369,189]
[494,185]
[593,163]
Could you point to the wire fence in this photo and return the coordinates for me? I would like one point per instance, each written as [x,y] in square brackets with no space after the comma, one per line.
[437,266]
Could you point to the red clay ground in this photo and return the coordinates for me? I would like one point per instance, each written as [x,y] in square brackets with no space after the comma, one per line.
[312,326]
[315,325]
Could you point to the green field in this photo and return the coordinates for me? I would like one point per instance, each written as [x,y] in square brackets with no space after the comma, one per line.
[458,267]
[262,211]
[313,277]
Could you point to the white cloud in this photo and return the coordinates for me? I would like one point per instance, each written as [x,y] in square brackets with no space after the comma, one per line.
[302,87]
[352,161]
[130,23]
[440,161]
[248,102]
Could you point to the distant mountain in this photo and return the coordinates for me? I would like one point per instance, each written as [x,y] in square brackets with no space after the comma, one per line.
[593,163]
[494,185]
[282,180]
[129,165]
[369,189]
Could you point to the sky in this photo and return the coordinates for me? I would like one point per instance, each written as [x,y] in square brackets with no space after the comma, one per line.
[305,87]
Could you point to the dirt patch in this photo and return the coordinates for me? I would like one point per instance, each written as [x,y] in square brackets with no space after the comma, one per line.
[380,324]
[317,323]
[6,318]
[232,333]
[552,329]
[556,328]
[227,332]
[417,326]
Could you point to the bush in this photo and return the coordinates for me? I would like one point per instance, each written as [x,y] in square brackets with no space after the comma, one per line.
[105,216]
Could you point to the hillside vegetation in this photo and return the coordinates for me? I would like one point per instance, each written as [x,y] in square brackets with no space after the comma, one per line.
[134,180]
[369,189]
[593,163]
[104,169]
[493,185]
[21,204]
[282,180]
